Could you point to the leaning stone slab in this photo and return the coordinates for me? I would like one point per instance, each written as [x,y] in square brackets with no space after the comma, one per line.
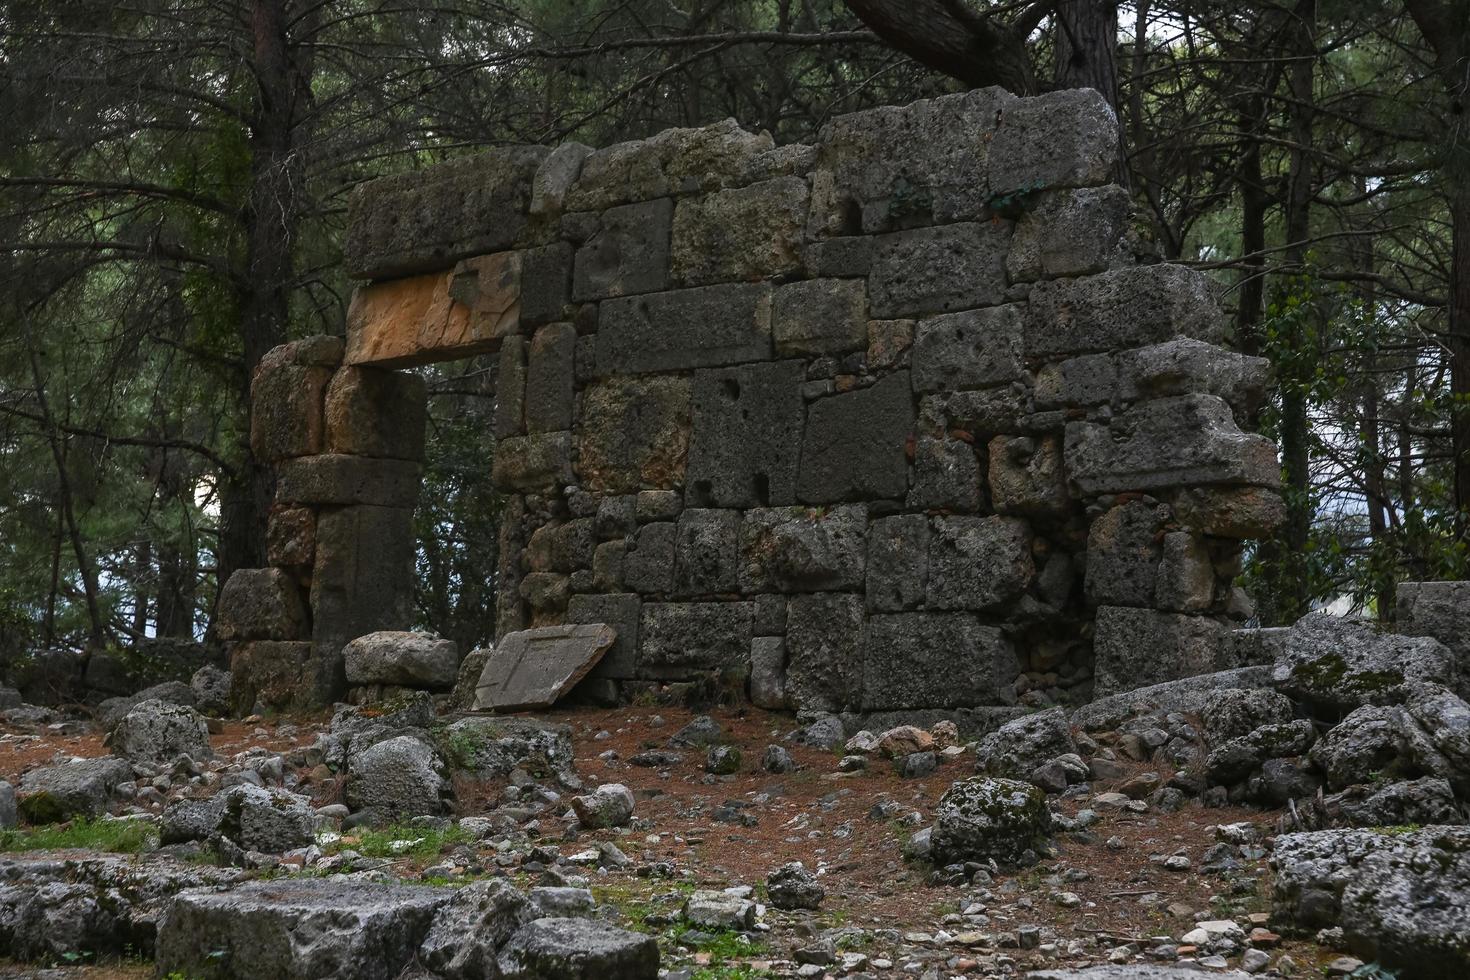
[297,929]
[533,668]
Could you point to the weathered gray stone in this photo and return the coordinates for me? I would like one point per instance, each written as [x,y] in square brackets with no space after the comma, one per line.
[253,818]
[1416,802]
[816,317]
[796,550]
[978,562]
[824,635]
[402,659]
[7,806]
[610,805]
[343,480]
[1234,712]
[269,674]
[740,234]
[649,566]
[673,161]
[707,326]
[1138,647]
[561,546]
[1017,748]
[418,222]
[634,434]
[158,732]
[1120,309]
[946,476]
[1124,548]
[747,433]
[792,886]
[897,562]
[973,349]
[550,379]
[555,177]
[1027,478]
[768,672]
[1435,724]
[578,949]
[939,270]
[82,787]
[853,448]
[286,418]
[533,668]
[494,747]
[1186,580]
[373,412]
[1437,609]
[1187,695]
[260,604]
[982,413]
[983,819]
[681,637]
[935,660]
[398,777]
[469,929]
[628,254]
[1336,665]
[546,276]
[297,929]
[537,462]
[1071,233]
[706,545]
[1063,139]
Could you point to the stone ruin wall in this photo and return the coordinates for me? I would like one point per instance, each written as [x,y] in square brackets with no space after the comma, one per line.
[893,422]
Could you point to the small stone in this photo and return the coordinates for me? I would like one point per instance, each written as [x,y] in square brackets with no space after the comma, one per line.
[722,760]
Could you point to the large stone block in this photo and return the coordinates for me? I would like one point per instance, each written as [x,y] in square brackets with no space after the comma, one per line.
[916,164]
[415,222]
[536,462]
[403,659]
[818,317]
[1027,477]
[1168,442]
[798,550]
[634,435]
[673,161]
[404,322]
[561,546]
[260,604]
[898,562]
[628,254]
[510,389]
[935,660]
[687,328]
[546,283]
[1440,610]
[946,476]
[824,637]
[983,413]
[648,567]
[978,562]
[740,234]
[705,549]
[1124,548]
[338,480]
[550,378]
[973,349]
[681,638]
[1124,308]
[854,447]
[283,676]
[555,178]
[620,611]
[1063,139]
[493,288]
[372,412]
[1134,648]
[1071,233]
[768,673]
[747,433]
[1230,512]
[939,270]
[286,414]
[290,537]
[1182,366]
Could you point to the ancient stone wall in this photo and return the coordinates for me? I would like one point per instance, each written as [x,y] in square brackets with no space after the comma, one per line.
[896,421]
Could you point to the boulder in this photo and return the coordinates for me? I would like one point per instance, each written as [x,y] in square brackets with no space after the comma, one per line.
[80,788]
[1360,748]
[1335,665]
[468,930]
[719,910]
[211,687]
[980,819]
[156,731]
[401,659]
[610,805]
[1435,725]
[1418,802]
[113,710]
[297,929]
[492,748]
[399,777]
[792,886]
[905,740]
[1234,712]
[1019,747]
[578,949]
[1187,694]
[270,821]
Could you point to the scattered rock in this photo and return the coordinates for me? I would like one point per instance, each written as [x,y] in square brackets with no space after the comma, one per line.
[904,740]
[792,886]
[80,788]
[157,731]
[211,687]
[719,910]
[981,819]
[398,777]
[722,760]
[610,805]
[777,760]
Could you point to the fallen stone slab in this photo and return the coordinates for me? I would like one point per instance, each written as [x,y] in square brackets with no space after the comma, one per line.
[578,949]
[1188,695]
[534,668]
[82,787]
[297,929]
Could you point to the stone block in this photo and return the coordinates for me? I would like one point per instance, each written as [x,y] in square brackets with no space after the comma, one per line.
[846,257]
[362,582]
[889,343]
[627,255]
[617,516]
[406,322]
[547,593]
[1124,547]
[705,549]
[321,350]
[1071,233]
[1230,512]
[1134,648]
[708,326]
[546,284]
[260,604]
[344,480]
[770,615]
[917,164]
[854,444]
[768,673]
[1063,139]
[973,349]
[1091,379]
[1186,581]
[680,638]
[290,537]
[1440,610]
[935,660]
[798,550]
[534,668]
[415,222]
[634,434]
[286,412]
[1027,478]
[510,389]
[1183,441]
[658,505]
[510,540]
[276,675]
[402,659]
[673,161]
[1186,366]
[898,562]
[535,462]
[620,611]
[492,289]
[607,566]
[648,567]
[981,413]
[740,234]
[372,412]
[550,379]
[946,476]
[978,562]
[824,635]
[561,546]
[746,435]
[1124,308]
[555,177]
[818,317]
[939,270]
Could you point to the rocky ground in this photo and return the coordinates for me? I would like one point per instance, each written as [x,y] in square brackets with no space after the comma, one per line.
[1142,835]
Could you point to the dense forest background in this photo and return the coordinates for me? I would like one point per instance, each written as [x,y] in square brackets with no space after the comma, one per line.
[173,178]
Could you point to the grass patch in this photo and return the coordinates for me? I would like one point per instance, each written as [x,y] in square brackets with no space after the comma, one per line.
[116,836]
[737,972]
[400,840]
[720,946]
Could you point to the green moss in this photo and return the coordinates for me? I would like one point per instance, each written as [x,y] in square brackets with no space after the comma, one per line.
[116,836]
[42,807]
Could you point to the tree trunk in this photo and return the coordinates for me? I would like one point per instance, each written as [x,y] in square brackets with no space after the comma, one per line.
[1087,57]
[949,37]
